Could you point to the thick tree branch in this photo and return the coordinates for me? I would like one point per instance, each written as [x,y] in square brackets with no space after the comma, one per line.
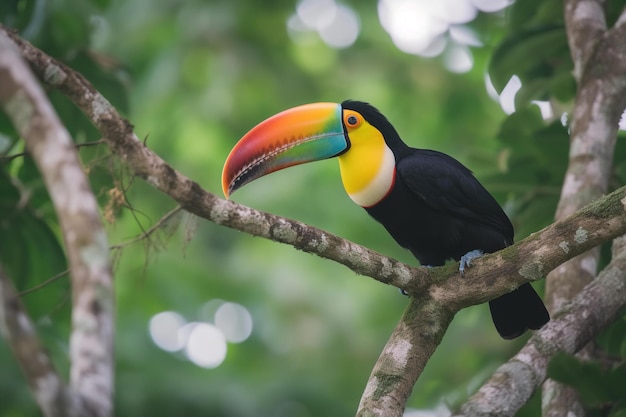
[596,306]
[586,23]
[404,357]
[91,343]
[599,57]
[16,327]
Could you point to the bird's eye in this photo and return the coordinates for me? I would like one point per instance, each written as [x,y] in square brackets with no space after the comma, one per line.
[352,120]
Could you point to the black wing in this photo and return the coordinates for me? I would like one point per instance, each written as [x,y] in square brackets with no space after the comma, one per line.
[448,186]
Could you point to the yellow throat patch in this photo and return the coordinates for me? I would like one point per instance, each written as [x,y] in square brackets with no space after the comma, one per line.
[368,167]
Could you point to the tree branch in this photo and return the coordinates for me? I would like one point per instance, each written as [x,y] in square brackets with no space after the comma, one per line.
[585,23]
[600,70]
[91,343]
[16,327]
[404,357]
[596,306]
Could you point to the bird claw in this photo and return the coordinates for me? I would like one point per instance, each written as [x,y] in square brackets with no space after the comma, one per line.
[466,260]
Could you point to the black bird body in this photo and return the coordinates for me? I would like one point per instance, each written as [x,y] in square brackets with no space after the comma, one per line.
[438,210]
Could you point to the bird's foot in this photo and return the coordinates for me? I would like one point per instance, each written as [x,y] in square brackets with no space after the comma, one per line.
[466,260]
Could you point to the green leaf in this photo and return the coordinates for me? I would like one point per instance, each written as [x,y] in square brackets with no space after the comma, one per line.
[594,384]
[533,54]
[563,86]
[530,13]
[521,124]
[29,249]
[101,4]
[534,89]
[613,338]
[619,410]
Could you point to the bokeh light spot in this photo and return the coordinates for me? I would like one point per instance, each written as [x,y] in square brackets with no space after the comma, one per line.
[165,330]
[235,322]
[343,29]
[206,344]
[491,6]
[316,14]
[336,24]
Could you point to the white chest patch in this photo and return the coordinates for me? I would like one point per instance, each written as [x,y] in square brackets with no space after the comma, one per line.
[380,185]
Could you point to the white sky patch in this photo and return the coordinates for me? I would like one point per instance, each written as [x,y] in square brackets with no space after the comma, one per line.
[507,97]
[491,90]
[545,107]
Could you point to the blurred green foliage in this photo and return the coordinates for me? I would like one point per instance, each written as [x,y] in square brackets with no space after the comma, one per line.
[193,77]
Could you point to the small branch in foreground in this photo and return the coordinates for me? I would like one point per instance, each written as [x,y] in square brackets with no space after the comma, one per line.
[52,149]
[17,328]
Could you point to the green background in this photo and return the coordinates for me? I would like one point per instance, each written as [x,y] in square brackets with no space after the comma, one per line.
[193,77]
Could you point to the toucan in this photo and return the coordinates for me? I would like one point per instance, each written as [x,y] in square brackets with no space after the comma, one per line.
[428,201]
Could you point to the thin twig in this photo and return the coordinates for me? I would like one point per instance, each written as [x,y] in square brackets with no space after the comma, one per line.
[9,158]
[49,281]
[156,226]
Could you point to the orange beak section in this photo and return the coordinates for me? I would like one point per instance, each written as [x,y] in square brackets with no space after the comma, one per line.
[296,136]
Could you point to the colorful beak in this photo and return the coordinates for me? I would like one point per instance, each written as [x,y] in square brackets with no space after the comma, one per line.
[303,134]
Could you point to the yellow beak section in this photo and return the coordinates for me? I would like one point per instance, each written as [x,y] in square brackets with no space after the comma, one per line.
[302,134]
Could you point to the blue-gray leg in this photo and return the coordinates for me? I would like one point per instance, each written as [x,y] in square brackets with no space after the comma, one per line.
[466,260]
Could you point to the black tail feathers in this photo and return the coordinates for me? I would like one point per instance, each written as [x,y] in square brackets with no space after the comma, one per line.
[518,311]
